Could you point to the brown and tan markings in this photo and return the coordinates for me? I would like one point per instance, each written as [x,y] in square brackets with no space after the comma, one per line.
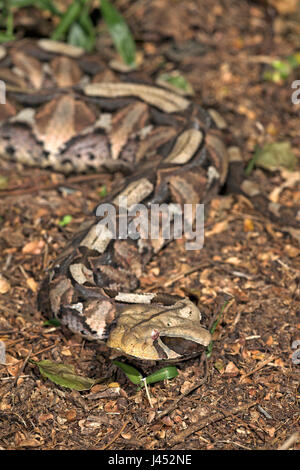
[66,111]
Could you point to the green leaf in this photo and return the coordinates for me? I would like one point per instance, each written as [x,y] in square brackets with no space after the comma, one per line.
[64,375]
[6,37]
[213,328]
[48,5]
[251,164]
[272,76]
[283,67]
[294,60]
[276,155]
[219,365]
[88,27]
[77,36]
[70,17]
[131,373]
[168,372]
[3,182]
[178,81]
[52,322]
[65,220]
[280,70]
[119,32]
[10,24]
[103,191]
[136,377]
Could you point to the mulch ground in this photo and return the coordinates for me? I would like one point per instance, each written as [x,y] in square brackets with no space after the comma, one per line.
[246,395]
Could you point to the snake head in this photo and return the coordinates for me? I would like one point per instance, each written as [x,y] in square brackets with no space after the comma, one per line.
[144,326]
[159,332]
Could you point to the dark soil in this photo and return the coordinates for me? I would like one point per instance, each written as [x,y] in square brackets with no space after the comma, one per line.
[246,395]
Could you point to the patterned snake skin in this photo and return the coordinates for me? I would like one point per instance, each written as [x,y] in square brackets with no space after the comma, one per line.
[67,111]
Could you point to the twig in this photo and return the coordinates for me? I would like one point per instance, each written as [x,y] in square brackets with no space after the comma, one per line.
[147,392]
[45,349]
[47,187]
[260,59]
[293,439]
[21,370]
[178,277]
[219,265]
[13,378]
[238,444]
[209,419]
[115,436]
[260,366]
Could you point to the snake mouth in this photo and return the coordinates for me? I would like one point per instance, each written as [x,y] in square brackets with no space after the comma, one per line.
[180,346]
[185,345]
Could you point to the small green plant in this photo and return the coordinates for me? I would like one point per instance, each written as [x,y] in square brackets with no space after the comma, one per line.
[136,377]
[103,191]
[177,80]
[65,220]
[213,328]
[252,162]
[280,70]
[74,25]
[52,322]
[6,19]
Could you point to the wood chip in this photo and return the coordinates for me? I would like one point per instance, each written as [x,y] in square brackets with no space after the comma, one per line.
[4,285]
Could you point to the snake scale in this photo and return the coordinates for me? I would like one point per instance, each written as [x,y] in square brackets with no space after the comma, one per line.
[66,110]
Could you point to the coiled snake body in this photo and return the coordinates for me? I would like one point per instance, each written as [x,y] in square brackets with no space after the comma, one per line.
[65,110]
